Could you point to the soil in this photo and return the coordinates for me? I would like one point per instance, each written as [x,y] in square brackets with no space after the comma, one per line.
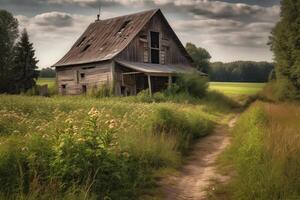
[195,177]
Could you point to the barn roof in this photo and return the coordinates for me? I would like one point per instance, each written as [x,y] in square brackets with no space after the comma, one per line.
[104,39]
[101,40]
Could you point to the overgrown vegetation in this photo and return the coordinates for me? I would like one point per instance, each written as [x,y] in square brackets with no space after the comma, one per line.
[265,153]
[80,147]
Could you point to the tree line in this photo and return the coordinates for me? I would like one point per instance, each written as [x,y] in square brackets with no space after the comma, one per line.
[18,64]
[240,71]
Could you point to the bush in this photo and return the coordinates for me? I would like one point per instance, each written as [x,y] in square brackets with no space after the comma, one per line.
[193,84]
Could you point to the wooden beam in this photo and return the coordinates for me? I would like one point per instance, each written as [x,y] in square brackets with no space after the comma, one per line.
[169,81]
[129,73]
[149,85]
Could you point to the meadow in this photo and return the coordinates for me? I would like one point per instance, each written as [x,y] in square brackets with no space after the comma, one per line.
[87,148]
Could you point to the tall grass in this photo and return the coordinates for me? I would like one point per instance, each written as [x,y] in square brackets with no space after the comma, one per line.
[266,153]
[66,147]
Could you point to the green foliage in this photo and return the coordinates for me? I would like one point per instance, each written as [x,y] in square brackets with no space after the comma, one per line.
[200,56]
[8,36]
[193,84]
[240,71]
[25,68]
[285,43]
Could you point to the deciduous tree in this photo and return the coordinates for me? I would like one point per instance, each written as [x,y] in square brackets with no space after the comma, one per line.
[200,56]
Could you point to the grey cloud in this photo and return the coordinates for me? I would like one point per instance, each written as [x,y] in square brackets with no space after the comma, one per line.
[55,19]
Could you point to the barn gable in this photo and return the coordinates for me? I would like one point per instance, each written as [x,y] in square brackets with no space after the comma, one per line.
[106,39]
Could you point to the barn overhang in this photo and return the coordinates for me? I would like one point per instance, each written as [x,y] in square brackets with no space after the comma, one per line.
[157,69]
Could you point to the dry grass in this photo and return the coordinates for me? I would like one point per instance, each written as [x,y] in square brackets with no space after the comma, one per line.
[265,153]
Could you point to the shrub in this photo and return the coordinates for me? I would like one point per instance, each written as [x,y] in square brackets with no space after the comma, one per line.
[192,84]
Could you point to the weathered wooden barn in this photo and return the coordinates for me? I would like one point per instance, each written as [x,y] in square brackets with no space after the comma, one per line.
[128,53]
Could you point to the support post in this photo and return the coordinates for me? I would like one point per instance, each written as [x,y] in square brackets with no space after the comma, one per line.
[149,85]
[170,81]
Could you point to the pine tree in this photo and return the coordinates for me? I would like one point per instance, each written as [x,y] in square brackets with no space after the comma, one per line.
[8,35]
[285,43]
[25,64]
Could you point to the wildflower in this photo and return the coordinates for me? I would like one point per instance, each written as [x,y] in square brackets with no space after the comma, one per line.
[93,113]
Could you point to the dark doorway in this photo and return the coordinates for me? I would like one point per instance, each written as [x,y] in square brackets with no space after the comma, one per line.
[154,47]
[64,89]
[84,89]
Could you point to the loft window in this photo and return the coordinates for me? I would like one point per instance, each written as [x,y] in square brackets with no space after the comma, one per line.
[123,26]
[82,75]
[155,47]
[85,48]
[154,39]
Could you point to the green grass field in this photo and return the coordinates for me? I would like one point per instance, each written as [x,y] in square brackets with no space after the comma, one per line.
[43,81]
[228,88]
[234,88]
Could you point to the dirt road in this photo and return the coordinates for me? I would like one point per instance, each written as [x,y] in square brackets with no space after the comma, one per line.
[196,175]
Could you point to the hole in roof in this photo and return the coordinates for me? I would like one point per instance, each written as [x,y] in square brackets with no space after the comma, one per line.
[86,47]
[81,41]
[123,26]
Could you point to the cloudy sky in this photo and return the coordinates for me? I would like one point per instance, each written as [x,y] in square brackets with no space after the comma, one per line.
[229,29]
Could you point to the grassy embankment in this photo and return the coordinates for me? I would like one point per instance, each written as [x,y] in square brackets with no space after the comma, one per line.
[86,148]
[265,154]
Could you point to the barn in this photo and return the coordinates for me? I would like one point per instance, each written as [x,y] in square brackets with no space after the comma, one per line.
[128,54]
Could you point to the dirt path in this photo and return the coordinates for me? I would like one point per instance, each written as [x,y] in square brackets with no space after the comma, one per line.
[196,175]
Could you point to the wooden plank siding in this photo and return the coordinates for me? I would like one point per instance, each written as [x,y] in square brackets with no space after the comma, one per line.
[170,53]
[94,75]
